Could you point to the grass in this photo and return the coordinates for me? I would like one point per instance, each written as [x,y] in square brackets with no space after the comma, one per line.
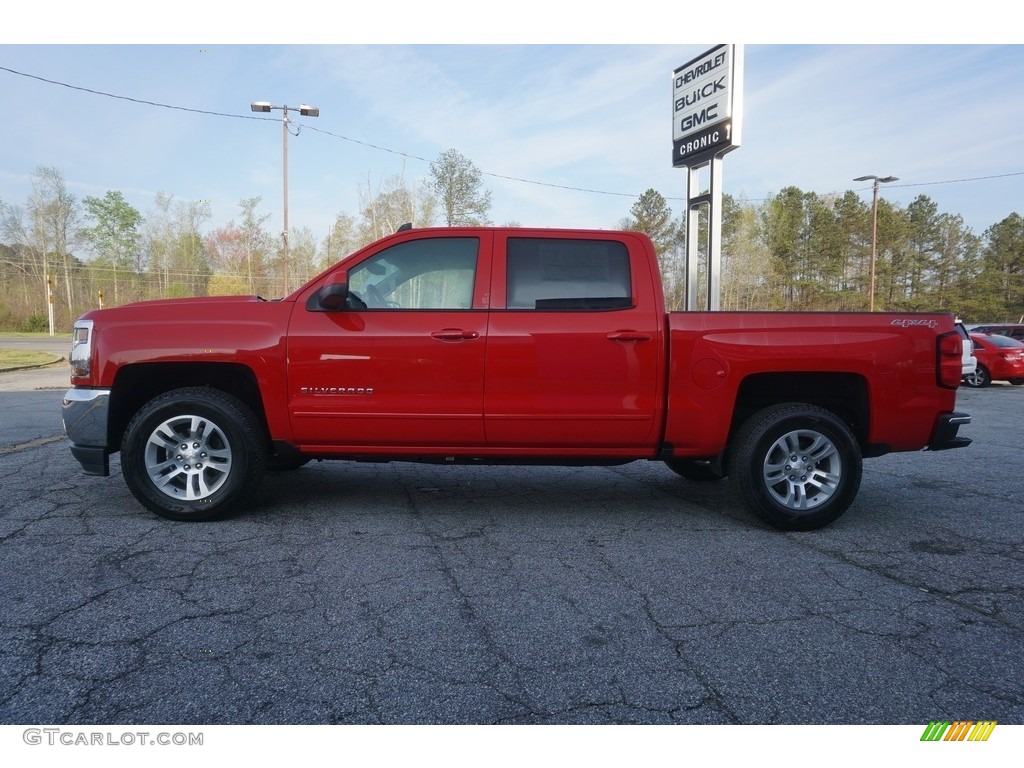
[18,358]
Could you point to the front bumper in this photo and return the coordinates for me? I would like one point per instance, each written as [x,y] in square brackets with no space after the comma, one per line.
[85,413]
[944,435]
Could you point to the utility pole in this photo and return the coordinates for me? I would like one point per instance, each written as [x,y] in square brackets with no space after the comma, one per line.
[874,231]
[306,111]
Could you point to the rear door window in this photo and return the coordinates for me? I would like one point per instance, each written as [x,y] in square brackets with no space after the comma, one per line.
[550,274]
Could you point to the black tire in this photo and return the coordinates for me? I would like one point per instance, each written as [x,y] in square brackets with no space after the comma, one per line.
[694,470]
[1016,382]
[212,467]
[980,378]
[796,466]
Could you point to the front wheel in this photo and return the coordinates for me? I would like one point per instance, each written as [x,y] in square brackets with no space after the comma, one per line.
[1016,382]
[194,454]
[796,466]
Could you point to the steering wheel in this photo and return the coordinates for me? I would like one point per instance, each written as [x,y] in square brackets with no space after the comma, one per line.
[374,300]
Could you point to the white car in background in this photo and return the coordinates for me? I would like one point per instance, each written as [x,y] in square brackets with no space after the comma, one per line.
[970,362]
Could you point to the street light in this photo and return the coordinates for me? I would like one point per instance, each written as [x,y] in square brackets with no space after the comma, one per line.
[306,111]
[874,231]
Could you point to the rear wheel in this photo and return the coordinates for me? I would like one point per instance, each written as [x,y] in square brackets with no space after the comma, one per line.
[796,466]
[1016,382]
[194,454]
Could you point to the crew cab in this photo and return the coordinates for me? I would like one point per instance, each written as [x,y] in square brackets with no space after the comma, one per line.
[504,345]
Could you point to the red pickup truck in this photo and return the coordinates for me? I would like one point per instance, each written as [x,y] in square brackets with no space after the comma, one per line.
[504,345]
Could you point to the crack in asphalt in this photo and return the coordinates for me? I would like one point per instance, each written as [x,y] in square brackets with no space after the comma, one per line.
[922,585]
[383,595]
[37,443]
[467,611]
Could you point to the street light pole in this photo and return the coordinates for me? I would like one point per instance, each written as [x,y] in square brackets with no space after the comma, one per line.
[284,176]
[306,111]
[874,231]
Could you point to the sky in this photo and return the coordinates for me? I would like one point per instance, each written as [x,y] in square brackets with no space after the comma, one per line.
[568,127]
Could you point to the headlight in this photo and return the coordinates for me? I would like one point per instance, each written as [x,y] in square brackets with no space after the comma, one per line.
[81,348]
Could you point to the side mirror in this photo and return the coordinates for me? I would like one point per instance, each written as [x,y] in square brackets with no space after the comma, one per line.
[331,297]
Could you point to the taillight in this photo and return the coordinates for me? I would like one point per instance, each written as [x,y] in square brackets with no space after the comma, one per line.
[949,364]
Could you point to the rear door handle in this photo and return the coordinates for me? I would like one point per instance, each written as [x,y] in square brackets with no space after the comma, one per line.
[629,336]
[455,334]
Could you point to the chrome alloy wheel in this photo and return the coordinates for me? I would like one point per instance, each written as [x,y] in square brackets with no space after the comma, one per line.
[978,378]
[802,470]
[188,457]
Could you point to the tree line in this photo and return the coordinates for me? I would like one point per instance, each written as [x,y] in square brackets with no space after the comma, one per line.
[800,250]
[794,250]
[76,254]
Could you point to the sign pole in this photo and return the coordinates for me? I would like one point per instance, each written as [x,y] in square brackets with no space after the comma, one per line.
[694,203]
[692,232]
[715,236]
[706,120]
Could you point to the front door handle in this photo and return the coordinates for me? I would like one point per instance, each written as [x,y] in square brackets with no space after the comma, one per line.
[629,336]
[455,334]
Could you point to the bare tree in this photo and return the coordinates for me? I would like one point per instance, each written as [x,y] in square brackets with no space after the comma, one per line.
[342,240]
[255,243]
[394,204]
[158,242]
[53,221]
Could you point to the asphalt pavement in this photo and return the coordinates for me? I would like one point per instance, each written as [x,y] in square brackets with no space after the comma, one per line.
[59,345]
[397,593]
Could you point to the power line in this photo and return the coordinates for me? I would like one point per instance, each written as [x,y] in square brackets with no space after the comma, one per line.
[957,181]
[423,159]
[307,127]
[134,100]
[365,143]
[483,173]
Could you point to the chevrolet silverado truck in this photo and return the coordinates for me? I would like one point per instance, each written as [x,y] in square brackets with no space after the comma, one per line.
[504,345]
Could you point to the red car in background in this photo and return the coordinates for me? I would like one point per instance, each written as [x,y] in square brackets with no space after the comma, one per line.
[1000,358]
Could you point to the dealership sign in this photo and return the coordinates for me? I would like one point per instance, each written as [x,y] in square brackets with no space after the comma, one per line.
[706,105]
